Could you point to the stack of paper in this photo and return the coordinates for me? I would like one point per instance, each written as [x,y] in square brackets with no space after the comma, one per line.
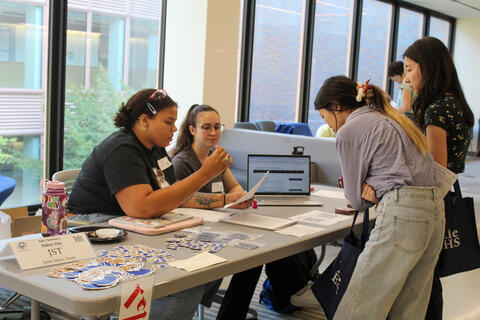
[329,194]
[154,223]
[319,217]
[258,221]
[445,179]
[206,215]
[299,230]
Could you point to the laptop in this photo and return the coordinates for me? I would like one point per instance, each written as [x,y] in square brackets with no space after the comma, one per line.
[288,181]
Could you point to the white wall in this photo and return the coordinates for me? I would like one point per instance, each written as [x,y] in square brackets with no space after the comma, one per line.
[466,56]
[221,57]
[185,53]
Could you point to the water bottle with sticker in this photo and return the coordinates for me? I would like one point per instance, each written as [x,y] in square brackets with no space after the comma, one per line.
[54,201]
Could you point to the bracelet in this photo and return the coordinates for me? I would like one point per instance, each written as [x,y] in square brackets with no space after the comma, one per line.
[224,199]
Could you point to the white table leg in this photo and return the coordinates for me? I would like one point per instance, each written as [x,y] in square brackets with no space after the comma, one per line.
[200,315]
[35,311]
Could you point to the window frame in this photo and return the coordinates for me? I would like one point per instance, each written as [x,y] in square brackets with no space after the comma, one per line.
[248,33]
[56,76]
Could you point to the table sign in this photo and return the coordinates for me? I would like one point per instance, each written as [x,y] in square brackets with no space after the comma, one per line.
[49,251]
[136,298]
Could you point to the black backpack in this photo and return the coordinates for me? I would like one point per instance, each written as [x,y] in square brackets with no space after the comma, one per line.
[286,277]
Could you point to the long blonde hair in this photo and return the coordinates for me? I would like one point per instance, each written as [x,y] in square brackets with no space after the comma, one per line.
[411,129]
[342,91]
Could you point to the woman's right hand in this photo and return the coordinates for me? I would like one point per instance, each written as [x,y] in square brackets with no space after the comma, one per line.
[368,193]
[217,162]
[234,196]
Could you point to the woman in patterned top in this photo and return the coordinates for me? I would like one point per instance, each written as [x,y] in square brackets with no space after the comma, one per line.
[443,113]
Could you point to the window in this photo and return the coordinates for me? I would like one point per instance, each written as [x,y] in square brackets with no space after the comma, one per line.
[108,43]
[410,29]
[109,56]
[76,48]
[143,54]
[21,30]
[374,42]
[91,103]
[21,114]
[276,54]
[331,47]
[440,29]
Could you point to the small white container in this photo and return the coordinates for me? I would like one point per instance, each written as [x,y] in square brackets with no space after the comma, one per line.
[5,226]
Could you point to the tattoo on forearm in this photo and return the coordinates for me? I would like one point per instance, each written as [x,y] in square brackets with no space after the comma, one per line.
[204,199]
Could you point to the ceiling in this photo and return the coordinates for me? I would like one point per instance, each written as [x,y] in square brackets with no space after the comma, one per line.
[454,8]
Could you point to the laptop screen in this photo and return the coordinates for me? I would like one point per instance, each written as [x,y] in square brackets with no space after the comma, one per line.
[288,174]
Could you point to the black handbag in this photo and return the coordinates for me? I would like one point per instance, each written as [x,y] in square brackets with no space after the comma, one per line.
[331,285]
[460,251]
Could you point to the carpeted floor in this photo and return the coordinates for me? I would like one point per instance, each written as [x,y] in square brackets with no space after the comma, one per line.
[264,313]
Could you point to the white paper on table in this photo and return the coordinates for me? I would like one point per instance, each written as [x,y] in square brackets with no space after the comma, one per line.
[199,261]
[319,217]
[258,221]
[206,215]
[329,194]
[249,194]
[299,230]
[445,179]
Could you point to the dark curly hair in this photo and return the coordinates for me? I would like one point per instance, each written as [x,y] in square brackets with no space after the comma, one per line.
[128,113]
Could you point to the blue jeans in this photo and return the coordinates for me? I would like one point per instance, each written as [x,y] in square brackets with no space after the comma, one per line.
[393,275]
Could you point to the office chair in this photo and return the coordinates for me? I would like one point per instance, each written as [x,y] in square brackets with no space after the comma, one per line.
[7,185]
[266,125]
[298,128]
[68,177]
[244,125]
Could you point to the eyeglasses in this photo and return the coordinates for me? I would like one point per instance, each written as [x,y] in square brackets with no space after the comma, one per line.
[159,94]
[208,127]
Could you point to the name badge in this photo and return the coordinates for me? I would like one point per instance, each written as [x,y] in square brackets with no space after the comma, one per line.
[217,186]
[49,251]
[164,163]
[162,182]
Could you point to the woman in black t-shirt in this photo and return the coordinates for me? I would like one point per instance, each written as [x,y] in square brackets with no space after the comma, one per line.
[130,173]
[443,113]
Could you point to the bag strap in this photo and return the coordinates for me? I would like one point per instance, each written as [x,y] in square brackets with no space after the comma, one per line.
[366,222]
[456,187]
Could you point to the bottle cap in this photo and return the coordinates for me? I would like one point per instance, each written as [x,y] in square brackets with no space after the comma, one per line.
[55,185]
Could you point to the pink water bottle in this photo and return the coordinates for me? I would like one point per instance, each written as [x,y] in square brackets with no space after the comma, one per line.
[54,200]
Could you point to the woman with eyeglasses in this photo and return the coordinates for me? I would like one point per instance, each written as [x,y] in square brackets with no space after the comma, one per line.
[130,173]
[199,134]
